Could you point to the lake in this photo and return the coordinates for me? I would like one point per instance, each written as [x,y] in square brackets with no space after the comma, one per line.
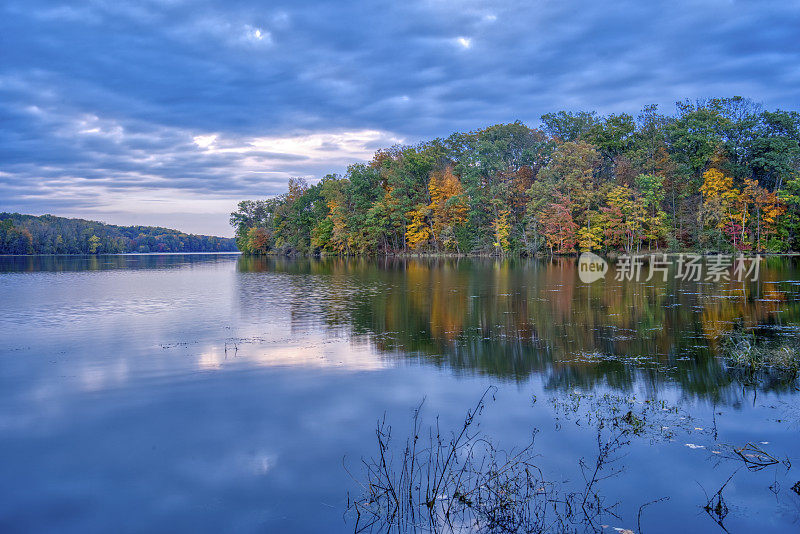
[219,393]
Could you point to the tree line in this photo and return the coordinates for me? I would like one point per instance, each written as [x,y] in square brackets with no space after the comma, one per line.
[47,234]
[719,174]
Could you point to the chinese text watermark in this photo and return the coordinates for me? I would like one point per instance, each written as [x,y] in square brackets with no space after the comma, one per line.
[688,267]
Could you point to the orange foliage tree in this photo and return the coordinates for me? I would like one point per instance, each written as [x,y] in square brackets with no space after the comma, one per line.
[448,207]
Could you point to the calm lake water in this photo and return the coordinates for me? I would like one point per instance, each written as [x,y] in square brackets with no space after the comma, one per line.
[216,393]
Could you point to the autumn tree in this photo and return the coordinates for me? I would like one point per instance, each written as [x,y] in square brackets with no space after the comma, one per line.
[724,208]
[623,220]
[502,231]
[581,181]
[651,196]
[557,225]
[590,237]
[448,207]
[418,231]
[259,241]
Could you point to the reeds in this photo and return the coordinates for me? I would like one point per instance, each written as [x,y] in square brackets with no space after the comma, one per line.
[459,481]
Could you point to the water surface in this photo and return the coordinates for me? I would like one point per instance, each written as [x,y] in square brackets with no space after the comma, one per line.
[214,393]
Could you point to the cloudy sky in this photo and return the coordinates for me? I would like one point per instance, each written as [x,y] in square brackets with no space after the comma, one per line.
[168,112]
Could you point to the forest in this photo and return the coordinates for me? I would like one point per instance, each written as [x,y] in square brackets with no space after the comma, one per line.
[718,174]
[47,234]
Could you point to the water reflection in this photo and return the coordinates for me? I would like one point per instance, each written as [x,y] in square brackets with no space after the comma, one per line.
[105,262]
[217,393]
[512,318]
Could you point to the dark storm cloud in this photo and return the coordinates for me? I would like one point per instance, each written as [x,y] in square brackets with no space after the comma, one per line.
[113,95]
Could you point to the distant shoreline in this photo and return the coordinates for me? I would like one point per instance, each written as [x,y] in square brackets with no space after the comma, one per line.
[48,235]
[223,253]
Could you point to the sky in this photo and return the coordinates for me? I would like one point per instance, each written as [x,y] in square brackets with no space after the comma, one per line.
[168,112]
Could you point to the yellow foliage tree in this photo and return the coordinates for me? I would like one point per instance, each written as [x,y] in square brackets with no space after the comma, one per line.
[94,244]
[724,206]
[339,234]
[719,196]
[502,231]
[623,219]
[448,207]
[418,231]
[590,238]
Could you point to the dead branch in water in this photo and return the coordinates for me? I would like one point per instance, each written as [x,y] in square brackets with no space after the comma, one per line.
[461,482]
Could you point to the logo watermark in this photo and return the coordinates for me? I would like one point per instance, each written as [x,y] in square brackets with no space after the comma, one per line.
[591,267]
[689,267]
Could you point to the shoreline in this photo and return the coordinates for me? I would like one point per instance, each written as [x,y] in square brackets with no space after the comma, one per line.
[218,253]
[576,255]
[407,255]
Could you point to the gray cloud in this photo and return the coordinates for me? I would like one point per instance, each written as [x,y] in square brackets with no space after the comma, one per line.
[101,103]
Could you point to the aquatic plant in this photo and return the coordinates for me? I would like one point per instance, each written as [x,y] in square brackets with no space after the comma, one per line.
[757,358]
[460,481]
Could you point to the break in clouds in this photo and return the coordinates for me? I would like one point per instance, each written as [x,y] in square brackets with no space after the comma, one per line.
[167,113]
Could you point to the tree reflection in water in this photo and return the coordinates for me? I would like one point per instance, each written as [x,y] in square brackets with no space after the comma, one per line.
[514,318]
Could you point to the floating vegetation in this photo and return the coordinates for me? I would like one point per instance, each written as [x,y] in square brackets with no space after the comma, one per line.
[651,418]
[745,352]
